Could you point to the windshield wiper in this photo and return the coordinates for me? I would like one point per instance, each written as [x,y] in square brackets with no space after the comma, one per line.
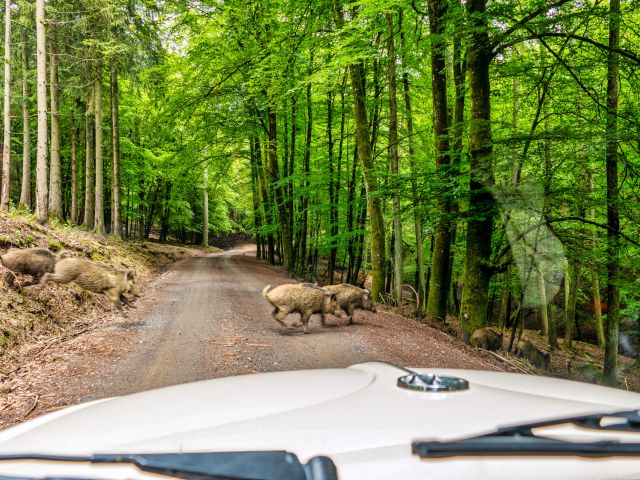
[268,465]
[520,440]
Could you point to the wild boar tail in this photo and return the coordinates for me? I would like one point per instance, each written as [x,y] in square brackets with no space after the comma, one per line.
[266,290]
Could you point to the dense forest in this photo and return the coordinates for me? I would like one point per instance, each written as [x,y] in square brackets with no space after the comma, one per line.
[480,158]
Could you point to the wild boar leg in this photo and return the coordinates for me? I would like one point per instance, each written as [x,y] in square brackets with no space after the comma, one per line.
[323,319]
[34,279]
[126,301]
[44,280]
[10,278]
[350,311]
[114,296]
[281,314]
[304,317]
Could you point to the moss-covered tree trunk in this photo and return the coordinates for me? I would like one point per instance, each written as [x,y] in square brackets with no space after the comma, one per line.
[613,199]
[477,273]
[374,205]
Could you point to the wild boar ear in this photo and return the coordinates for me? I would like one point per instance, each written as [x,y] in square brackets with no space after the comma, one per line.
[131,273]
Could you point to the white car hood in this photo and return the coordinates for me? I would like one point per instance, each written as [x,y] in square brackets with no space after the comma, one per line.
[357,416]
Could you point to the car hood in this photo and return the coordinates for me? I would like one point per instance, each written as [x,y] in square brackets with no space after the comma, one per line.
[349,414]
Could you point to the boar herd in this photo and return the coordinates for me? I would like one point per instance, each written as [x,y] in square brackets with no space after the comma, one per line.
[44,266]
[308,299]
[490,338]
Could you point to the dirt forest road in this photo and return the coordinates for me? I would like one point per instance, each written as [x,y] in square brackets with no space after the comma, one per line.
[206,318]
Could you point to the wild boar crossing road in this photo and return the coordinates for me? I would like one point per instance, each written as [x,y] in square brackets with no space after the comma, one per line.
[207,318]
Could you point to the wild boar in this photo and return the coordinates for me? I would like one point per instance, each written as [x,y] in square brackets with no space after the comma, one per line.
[29,261]
[487,339]
[536,356]
[303,299]
[95,277]
[351,298]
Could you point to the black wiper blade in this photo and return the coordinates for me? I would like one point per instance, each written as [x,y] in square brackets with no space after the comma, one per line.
[520,440]
[261,465]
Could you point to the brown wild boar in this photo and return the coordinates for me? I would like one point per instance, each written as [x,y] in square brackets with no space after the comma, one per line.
[536,356]
[351,298]
[29,261]
[303,299]
[487,338]
[95,277]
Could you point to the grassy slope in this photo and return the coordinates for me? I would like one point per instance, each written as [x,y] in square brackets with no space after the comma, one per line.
[32,315]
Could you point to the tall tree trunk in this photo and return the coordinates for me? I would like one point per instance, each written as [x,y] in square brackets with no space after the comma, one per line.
[25,191]
[291,169]
[42,191]
[595,281]
[55,182]
[395,171]
[459,75]
[116,215]
[417,216]
[374,204]
[544,309]
[548,178]
[571,285]
[307,166]
[98,226]
[74,167]
[89,172]
[205,207]
[613,199]
[333,194]
[6,139]
[255,197]
[266,204]
[481,203]
[597,306]
[287,247]
[351,215]
[439,282]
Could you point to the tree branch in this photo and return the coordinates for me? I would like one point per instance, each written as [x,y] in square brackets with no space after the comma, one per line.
[527,18]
